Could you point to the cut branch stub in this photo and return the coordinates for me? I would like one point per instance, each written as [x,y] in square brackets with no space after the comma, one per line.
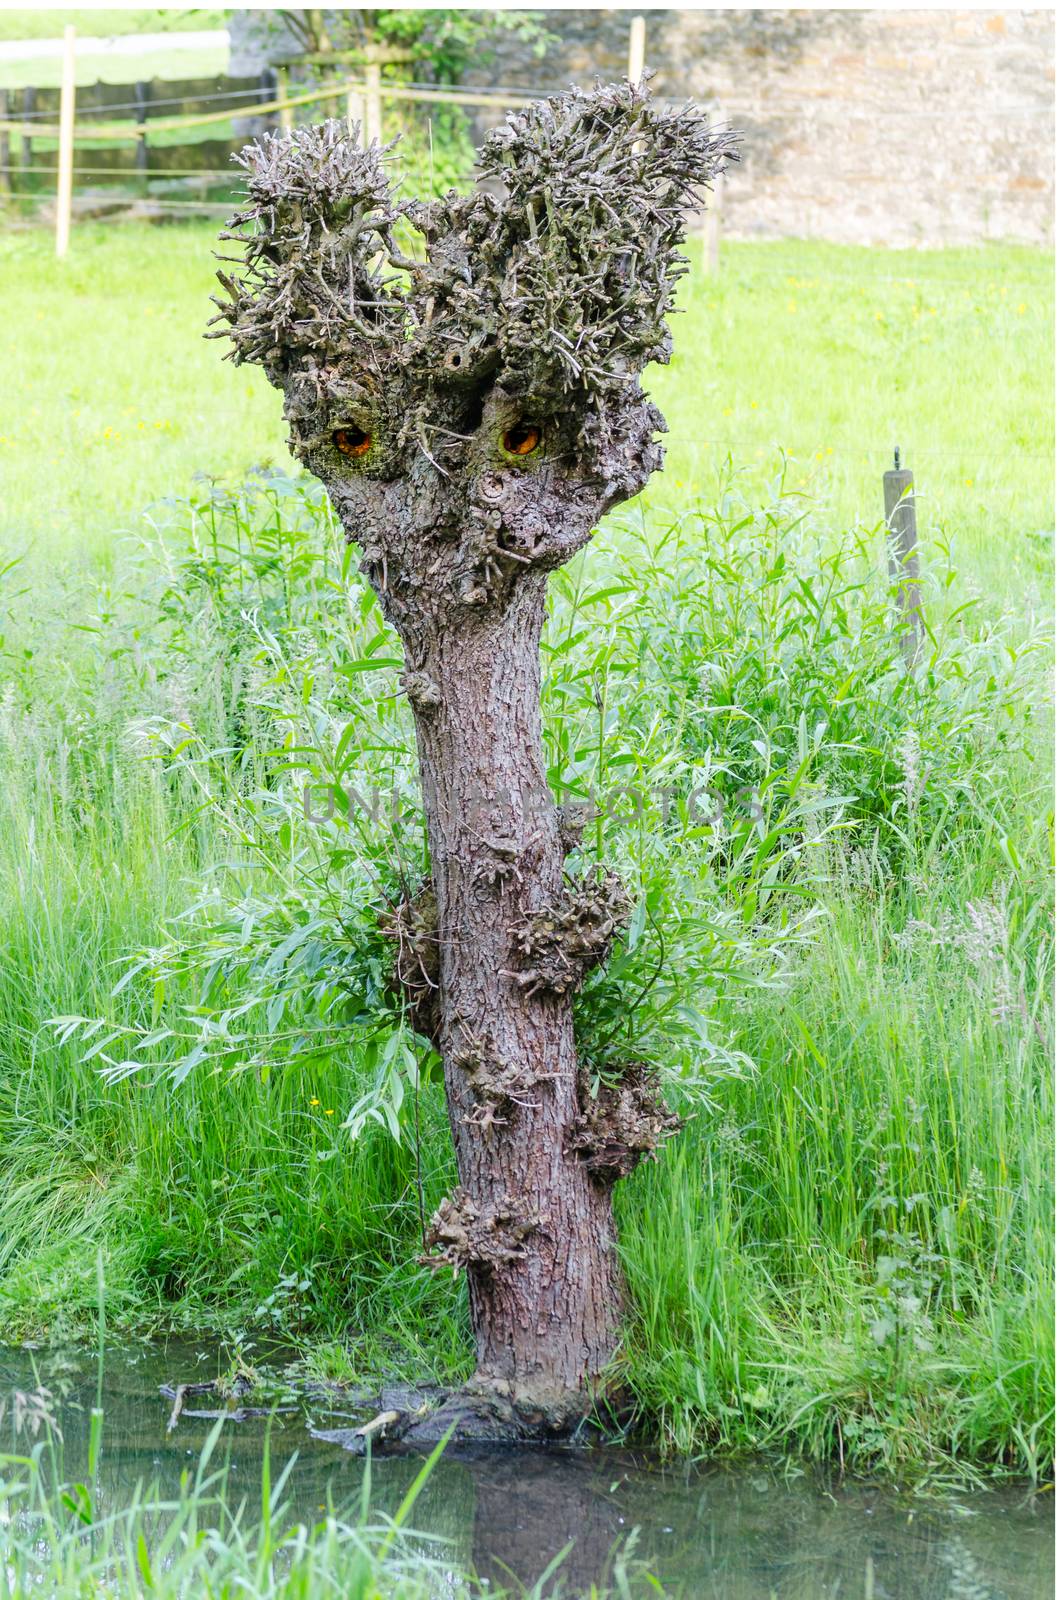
[574,818]
[461,1235]
[556,948]
[498,1087]
[622,1124]
[413,926]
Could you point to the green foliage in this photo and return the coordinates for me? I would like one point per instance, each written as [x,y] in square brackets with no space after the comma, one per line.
[838,957]
[452,40]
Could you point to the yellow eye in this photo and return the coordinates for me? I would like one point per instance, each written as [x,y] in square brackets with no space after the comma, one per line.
[521,439]
[352,441]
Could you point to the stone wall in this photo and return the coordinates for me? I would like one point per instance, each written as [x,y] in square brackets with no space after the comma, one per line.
[864,127]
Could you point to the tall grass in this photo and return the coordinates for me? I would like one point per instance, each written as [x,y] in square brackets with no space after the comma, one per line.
[57,1539]
[839,958]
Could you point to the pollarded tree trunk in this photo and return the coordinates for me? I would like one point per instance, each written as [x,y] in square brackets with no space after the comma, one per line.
[473,414]
[530,1223]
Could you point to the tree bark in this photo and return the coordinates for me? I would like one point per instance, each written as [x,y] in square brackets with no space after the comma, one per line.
[546,1318]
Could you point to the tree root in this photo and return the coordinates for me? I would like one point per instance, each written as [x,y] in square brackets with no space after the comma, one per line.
[483,1412]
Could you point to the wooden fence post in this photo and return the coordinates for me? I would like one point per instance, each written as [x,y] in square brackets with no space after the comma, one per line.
[355,112]
[5,148]
[637,36]
[141,95]
[373,111]
[65,185]
[25,145]
[903,559]
[283,93]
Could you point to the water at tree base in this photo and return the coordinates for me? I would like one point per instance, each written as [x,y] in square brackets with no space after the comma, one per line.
[727,1532]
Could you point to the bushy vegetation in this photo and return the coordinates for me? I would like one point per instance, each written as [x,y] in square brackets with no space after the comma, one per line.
[841,948]
[839,958]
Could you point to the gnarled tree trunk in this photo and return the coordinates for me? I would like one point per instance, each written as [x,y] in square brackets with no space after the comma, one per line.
[473,414]
[531,1225]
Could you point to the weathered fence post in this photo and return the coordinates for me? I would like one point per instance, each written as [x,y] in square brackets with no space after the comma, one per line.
[903,560]
[637,37]
[355,113]
[270,89]
[373,111]
[141,95]
[25,147]
[283,93]
[65,185]
[5,147]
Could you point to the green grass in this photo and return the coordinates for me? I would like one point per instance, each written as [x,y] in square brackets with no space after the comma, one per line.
[948,353]
[103,22]
[101,66]
[58,1540]
[834,355]
[847,1252]
[89,440]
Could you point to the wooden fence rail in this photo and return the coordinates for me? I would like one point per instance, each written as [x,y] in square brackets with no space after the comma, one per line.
[112,132]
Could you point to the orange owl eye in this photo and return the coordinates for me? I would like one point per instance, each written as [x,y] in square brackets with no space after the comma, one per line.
[352,441]
[521,439]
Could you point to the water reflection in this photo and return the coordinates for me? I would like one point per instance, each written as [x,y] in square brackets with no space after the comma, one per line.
[747,1533]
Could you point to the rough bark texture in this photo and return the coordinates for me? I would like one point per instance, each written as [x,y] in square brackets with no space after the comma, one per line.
[473,413]
[531,1227]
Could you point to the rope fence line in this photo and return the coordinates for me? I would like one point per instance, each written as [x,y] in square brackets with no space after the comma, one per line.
[504,96]
[331,91]
[135,105]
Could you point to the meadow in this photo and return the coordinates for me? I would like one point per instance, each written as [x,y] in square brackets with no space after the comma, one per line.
[842,951]
[93,62]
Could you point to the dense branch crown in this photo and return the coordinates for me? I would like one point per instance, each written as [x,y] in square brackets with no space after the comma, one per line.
[494,378]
